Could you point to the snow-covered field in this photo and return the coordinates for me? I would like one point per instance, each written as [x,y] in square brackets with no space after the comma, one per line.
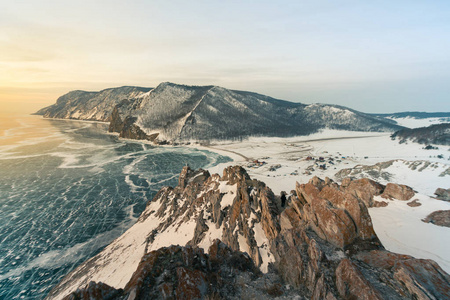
[416,123]
[347,150]
[280,162]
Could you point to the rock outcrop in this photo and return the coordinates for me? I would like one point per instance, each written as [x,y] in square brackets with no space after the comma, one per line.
[442,194]
[321,243]
[440,218]
[414,203]
[177,272]
[398,191]
[385,171]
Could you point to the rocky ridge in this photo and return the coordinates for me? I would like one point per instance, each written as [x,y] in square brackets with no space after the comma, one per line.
[321,243]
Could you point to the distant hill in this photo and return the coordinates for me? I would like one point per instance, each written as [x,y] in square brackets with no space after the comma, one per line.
[438,134]
[178,113]
[415,115]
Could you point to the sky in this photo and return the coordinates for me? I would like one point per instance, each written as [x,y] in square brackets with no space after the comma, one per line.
[373,56]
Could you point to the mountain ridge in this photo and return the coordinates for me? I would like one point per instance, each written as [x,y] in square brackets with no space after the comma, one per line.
[180,113]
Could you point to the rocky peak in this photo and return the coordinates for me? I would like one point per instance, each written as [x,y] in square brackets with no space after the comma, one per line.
[234,174]
[194,177]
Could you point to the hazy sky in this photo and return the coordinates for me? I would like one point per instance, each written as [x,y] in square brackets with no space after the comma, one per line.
[373,56]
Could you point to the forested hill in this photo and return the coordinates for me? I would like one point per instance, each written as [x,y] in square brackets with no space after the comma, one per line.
[177,113]
[438,134]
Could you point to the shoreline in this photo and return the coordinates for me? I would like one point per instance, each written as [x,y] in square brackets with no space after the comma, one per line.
[75,120]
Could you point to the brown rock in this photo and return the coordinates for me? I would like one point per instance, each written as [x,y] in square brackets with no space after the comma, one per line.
[269,212]
[442,194]
[346,182]
[423,278]
[381,258]
[398,191]
[306,191]
[351,283]
[414,203]
[336,225]
[364,190]
[380,204]
[192,284]
[439,217]
[234,174]
[356,209]
[418,278]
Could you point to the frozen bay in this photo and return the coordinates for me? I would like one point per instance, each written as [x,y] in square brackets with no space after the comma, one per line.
[67,189]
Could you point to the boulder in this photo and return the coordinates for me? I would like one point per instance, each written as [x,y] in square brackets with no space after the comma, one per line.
[398,191]
[442,194]
[414,203]
[363,189]
[440,218]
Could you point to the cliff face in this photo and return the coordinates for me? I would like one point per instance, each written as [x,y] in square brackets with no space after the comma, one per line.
[96,106]
[321,242]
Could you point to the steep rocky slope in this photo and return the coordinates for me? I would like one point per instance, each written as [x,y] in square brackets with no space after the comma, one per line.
[96,106]
[321,243]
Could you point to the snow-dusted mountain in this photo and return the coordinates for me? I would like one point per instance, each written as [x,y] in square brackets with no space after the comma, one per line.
[95,106]
[173,112]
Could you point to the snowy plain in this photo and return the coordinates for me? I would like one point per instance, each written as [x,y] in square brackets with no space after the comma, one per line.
[416,123]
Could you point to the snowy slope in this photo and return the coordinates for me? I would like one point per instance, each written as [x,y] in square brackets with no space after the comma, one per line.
[417,119]
[96,106]
[416,123]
